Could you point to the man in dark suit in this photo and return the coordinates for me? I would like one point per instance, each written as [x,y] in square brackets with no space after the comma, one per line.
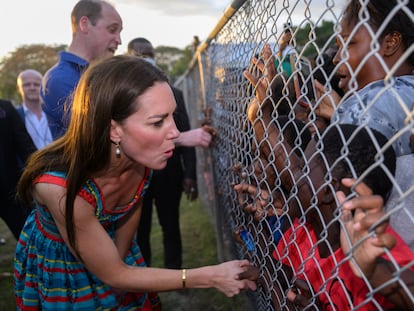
[168,184]
[16,146]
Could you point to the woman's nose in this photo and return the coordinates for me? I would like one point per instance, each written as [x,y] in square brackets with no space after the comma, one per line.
[174,132]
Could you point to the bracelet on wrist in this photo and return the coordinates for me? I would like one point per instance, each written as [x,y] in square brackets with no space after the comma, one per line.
[183,276]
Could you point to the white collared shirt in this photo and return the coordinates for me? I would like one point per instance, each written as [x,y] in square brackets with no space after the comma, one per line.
[38,129]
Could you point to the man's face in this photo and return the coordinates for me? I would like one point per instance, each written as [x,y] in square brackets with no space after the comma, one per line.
[28,86]
[106,34]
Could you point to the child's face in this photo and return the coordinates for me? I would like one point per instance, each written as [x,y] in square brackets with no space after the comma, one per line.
[352,50]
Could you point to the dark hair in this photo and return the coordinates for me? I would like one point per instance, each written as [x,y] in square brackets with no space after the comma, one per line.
[140,47]
[351,150]
[89,8]
[108,90]
[378,11]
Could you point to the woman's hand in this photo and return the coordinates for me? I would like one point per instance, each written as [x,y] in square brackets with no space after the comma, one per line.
[234,276]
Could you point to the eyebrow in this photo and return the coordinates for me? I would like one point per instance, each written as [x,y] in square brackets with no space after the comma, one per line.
[157,116]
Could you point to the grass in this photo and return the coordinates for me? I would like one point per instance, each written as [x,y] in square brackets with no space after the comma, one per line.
[199,244]
[6,269]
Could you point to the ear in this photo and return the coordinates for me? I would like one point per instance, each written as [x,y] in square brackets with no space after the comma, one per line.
[115,133]
[84,24]
[392,43]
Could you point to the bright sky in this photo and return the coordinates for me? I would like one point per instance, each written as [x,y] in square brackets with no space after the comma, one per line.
[163,22]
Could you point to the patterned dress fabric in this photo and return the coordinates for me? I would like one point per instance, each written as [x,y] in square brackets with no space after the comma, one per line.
[48,277]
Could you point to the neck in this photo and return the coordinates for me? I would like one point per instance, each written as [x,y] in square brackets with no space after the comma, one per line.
[79,50]
[406,68]
[35,107]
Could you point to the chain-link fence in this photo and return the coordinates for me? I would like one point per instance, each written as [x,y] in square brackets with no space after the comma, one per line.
[303,94]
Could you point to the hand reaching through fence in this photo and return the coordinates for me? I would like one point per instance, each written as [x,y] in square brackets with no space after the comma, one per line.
[367,235]
[358,216]
[328,101]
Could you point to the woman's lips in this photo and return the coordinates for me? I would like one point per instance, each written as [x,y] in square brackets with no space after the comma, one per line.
[169,153]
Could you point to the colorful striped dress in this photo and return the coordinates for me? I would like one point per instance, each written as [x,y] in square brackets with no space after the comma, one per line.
[48,277]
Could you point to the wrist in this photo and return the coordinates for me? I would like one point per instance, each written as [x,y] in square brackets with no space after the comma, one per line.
[184,278]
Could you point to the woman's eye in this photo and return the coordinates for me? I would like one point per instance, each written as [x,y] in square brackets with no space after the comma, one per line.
[158,123]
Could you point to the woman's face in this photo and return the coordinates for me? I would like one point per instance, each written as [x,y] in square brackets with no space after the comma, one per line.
[353,48]
[147,136]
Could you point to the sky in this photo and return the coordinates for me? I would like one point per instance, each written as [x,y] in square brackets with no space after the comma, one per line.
[163,22]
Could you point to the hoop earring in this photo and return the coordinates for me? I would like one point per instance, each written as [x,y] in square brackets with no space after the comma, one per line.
[118,150]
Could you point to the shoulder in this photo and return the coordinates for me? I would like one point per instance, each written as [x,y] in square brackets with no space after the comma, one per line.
[6,104]
[407,80]
[7,109]
[404,172]
[60,80]
[20,110]
[68,65]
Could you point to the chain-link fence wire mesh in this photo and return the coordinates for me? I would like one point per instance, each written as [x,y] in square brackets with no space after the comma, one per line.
[282,139]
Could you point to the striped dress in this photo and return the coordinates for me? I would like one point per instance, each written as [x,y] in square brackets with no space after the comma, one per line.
[48,277]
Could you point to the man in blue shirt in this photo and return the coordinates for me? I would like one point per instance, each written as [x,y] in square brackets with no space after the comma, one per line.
[96,28]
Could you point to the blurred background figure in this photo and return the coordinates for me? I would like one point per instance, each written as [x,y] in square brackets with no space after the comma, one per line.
[15,147]
[96,33]
[283,51]
[29,82]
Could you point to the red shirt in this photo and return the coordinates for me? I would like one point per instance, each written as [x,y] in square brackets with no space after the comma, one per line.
[332,279]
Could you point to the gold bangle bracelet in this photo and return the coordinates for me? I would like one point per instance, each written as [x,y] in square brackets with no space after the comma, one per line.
[183,276]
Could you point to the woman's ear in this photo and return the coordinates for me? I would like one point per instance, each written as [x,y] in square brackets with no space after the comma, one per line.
[115,133]
[392,43]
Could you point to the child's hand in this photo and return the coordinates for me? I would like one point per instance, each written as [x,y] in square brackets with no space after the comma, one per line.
[363,230]
[327,101]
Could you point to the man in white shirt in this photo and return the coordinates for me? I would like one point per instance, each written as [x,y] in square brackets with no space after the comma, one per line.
[28,85]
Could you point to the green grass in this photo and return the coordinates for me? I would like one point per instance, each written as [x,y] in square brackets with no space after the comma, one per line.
[199,249]
[199,244]
[6,269]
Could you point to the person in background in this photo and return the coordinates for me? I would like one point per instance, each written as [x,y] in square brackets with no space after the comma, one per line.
[378,84]
[401,201]
[16,146]
[362,216]
[96,33]
[28,86]
[283,51]
[167,185]
[77,249]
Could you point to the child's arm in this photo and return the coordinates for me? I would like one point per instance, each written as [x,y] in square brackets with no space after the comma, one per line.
[363,216]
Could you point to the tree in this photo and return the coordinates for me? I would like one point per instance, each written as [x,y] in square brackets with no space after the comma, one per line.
[35,56]
[322,34]
[172,60]
[181,65]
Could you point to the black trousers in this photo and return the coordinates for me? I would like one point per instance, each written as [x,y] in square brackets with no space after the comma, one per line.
[164,193]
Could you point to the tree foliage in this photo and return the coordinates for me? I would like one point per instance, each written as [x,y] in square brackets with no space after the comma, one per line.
[35,56]
[321,36]
[172,60]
